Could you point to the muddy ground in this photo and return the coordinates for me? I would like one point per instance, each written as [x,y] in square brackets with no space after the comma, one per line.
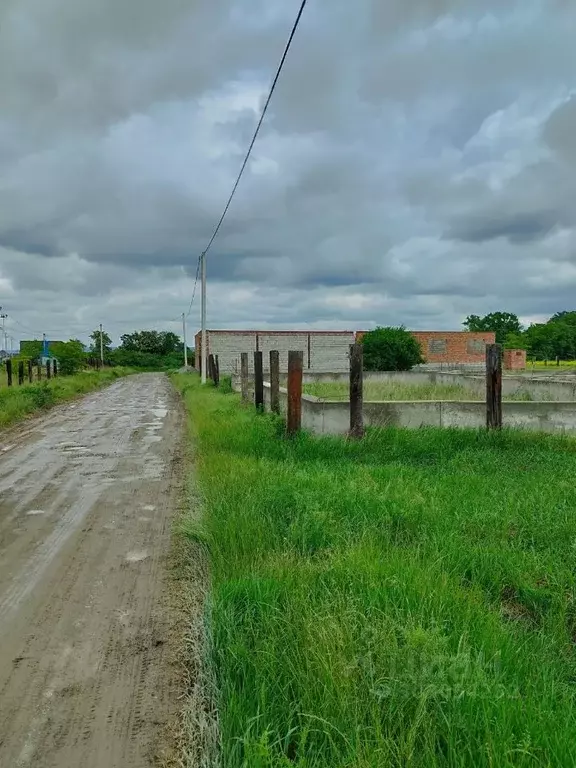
[87,498]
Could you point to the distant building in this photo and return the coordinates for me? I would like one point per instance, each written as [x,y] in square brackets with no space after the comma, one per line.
[323,350]
[451,347]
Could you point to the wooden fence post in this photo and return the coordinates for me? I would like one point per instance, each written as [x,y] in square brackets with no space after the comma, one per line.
[216,371]
[493,386]
[258,381]
[9,372]
[294,418]
[244,376]
[274,381]
[212,368]
[54,368]
[48,369]
[30,371]
[356,391]
[39,371]
[21,373]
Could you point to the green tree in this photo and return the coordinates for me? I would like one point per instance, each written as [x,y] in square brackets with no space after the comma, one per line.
[516,341]
[501,323]
[71,357]
[391,349]
[152,342]
[95,346]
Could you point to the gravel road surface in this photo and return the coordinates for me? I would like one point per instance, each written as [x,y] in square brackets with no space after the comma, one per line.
[87,497]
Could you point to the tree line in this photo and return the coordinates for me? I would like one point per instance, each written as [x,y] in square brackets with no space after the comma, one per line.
[147,350]
[556,338]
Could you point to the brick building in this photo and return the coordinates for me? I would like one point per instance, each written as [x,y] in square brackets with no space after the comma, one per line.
[456,347]
[323,350]
[515,359]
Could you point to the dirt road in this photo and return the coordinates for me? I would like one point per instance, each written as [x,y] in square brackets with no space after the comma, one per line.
[87,495]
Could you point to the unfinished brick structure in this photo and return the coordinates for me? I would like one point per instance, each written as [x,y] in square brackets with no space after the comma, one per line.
[456,347]
[324,351]
[515,359]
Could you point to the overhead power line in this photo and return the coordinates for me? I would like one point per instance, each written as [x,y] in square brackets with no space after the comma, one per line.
[195,285]
[250,148]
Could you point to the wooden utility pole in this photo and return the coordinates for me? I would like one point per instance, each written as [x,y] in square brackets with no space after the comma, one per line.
[185,344]
[258,381]
[356,391]
[294,418]
[493,386]
[244,376]
[275,381]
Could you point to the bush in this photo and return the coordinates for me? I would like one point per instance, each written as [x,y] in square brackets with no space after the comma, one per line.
[391,349]
[71,357]
[40,394]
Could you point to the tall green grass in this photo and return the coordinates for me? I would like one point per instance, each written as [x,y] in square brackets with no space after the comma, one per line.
[389,390]
[18,402]
[407,600]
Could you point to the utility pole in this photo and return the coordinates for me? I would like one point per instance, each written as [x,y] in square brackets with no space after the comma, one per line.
[204,340]
[101,345]
[185,345]
[3,315]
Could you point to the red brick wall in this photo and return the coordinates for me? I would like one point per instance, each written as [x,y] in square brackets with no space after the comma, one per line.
[515,359]
[451,346]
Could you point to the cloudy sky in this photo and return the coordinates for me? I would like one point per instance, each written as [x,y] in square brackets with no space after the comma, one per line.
[418,162]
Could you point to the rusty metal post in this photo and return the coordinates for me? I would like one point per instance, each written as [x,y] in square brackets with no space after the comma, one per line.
[274,381]
[294,417]
[493,386]
[258,381]
[244,376]
[9,372]
[356,391]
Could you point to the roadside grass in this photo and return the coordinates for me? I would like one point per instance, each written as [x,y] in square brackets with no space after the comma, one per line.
[406,601]
[18,402]
[382,390]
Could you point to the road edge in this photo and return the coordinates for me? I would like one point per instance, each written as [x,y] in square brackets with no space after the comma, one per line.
[192,738]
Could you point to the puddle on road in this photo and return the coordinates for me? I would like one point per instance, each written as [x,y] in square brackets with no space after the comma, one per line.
[137,556]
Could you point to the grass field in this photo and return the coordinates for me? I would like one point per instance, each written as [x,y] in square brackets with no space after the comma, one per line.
[376,390]
[17,402]
[407,600]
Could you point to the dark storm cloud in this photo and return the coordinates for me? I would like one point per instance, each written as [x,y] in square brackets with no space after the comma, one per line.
[517,229]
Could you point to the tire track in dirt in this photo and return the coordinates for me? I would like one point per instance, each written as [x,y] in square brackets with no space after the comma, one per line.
[87,495]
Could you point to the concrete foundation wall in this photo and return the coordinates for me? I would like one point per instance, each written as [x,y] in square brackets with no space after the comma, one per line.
[333,418]
[536,388]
